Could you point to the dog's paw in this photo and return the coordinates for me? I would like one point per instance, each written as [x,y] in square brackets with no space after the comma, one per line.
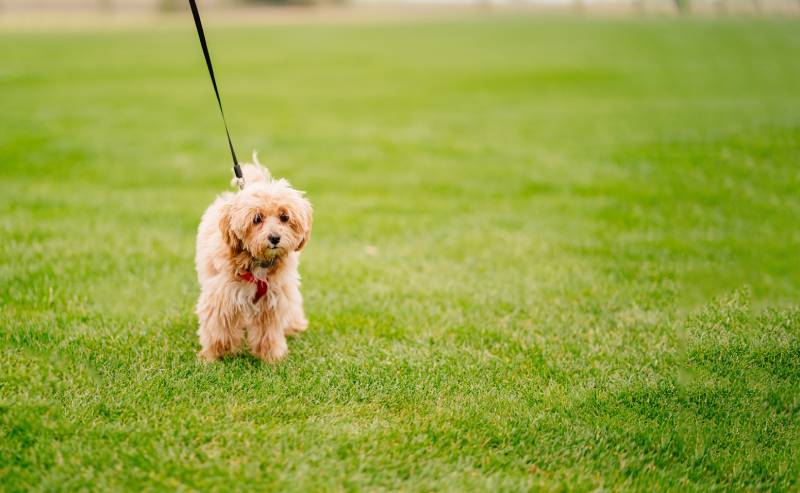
[296,327]
[217,349]
[207,356]
[272,353]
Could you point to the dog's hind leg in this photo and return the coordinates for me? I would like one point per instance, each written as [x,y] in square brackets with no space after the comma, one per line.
[297,321]
[297,324]
[295,328]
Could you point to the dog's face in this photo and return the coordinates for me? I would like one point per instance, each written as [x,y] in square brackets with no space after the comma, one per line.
[267,220]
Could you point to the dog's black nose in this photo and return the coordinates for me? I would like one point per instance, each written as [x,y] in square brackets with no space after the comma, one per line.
[274,239]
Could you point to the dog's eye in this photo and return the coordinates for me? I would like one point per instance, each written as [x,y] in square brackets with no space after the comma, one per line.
[283,217]
[257,219]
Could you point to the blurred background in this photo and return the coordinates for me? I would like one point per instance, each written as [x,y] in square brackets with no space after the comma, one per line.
[397,7]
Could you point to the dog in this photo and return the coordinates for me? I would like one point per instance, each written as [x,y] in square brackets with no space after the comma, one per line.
[248,252]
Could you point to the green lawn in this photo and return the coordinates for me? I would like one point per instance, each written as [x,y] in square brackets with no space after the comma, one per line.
[548,254]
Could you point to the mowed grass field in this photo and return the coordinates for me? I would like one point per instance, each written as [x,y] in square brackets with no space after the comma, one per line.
[548,254]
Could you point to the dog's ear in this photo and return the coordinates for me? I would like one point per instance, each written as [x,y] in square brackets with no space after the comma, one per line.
[226,228]
[307,214]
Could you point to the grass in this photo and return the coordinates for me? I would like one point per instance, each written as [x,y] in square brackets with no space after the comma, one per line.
[549,254]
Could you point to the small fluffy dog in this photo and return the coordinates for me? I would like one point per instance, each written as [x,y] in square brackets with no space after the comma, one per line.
[248,251]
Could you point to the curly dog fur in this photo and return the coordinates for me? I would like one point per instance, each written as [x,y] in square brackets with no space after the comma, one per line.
[248,251]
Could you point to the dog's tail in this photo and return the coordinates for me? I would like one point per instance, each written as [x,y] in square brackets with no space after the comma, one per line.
[253,173]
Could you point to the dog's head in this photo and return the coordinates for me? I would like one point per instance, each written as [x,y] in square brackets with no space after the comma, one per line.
[268,219]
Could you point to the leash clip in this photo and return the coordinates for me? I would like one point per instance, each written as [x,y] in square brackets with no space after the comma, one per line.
[238,177]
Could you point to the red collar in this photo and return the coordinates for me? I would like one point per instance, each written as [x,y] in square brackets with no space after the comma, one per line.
[261,286]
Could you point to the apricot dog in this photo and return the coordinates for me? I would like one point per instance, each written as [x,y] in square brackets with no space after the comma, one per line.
[248,252]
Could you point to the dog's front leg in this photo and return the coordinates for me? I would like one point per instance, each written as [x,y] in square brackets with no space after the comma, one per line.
[221,331]
[218,339]
[266,338]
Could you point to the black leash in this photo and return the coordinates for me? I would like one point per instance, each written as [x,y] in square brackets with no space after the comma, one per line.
[199,25]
